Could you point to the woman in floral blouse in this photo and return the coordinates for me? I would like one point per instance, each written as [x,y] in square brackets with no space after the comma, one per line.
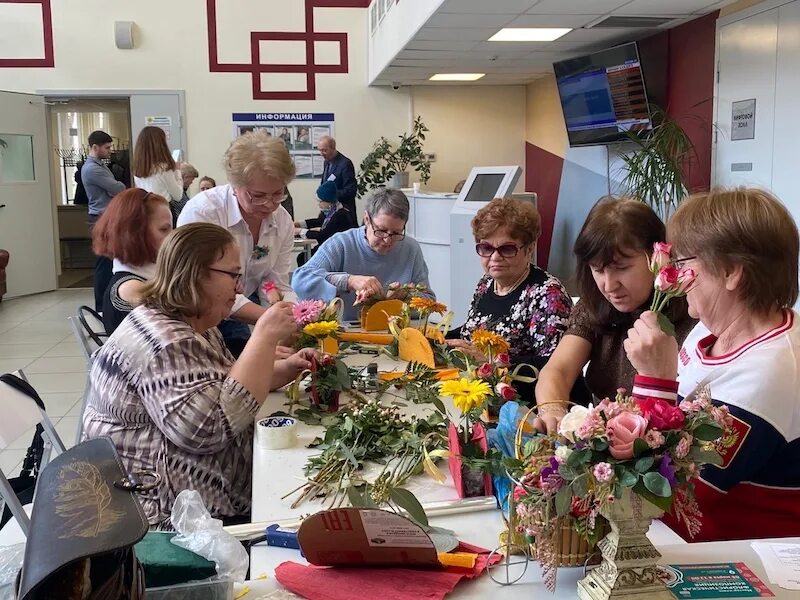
[515,299]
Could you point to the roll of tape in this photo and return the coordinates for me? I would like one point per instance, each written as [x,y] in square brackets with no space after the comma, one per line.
[275,433]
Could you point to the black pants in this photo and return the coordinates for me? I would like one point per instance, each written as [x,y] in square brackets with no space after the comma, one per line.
[103,268]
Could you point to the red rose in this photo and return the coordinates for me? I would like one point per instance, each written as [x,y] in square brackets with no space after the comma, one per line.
[327,360]
[503,359]
[506,391]
[579,507]
[661,414]
[485,371]
[667,279]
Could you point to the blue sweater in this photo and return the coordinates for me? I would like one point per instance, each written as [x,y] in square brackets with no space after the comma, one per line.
[348,253]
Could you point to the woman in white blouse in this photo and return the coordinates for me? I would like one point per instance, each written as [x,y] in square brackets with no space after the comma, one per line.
[154,170]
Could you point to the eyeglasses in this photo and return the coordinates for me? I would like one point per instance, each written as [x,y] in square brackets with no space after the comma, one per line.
[383,234]
[263,199]
[679,263]
[506,250]
[235,275]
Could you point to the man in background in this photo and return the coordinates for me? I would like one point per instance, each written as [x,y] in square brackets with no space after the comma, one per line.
[339,169]
[101,187]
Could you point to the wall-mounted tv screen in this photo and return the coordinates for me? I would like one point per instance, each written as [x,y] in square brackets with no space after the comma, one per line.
[603,95]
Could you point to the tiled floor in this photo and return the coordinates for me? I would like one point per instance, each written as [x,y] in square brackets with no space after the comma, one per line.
[35,336]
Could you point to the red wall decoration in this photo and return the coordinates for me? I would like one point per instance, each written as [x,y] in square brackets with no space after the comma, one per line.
[255,67]
[47,32]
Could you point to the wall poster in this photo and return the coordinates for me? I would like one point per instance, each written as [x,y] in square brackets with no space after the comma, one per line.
[301,132]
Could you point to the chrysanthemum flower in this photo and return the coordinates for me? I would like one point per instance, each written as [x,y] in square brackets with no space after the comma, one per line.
[489,342]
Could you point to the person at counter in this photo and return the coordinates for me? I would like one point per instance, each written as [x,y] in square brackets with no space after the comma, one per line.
[743,246]
[168,393]
[525,305]
[366,259]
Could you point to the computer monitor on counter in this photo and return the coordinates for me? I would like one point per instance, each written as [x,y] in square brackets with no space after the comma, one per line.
[485,183]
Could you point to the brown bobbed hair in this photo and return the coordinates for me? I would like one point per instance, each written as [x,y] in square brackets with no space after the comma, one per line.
[182,265]
[750,227]
[151,154]
[122,231]
[254,153]
[520,218]
[614,227]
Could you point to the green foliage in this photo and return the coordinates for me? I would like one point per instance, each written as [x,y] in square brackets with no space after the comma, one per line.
[655,171]
[386,160]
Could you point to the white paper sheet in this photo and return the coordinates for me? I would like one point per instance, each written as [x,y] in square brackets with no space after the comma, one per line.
[781,562]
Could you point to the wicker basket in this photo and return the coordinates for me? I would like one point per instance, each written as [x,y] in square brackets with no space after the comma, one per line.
[573,549]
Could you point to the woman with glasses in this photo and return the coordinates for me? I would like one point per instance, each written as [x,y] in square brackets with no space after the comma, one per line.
[515,299]
[365,259]
[258,168]
[615,286]
[168,393]
[130,232]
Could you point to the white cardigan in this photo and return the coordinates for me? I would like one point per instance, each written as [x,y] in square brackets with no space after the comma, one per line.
[164,183]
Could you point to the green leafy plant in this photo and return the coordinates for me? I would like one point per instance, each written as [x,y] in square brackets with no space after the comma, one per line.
[655,171]
[385,160]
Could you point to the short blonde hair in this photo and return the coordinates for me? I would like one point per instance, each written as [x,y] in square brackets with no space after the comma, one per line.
[188,170]
[257,152]
[181,267]
[750,227]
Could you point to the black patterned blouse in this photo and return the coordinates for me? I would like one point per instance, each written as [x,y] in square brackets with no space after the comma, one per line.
[532,318]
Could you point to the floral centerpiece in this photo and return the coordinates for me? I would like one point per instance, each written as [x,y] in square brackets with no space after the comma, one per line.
[624,453]
[394,291]
[420,341]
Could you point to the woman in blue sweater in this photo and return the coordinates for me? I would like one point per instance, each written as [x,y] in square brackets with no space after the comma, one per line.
[365,259]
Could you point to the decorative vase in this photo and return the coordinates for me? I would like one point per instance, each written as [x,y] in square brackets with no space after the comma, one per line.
[629,568]
[468,481]
[399,180]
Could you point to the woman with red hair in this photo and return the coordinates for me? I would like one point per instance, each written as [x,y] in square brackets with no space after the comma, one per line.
[130,232]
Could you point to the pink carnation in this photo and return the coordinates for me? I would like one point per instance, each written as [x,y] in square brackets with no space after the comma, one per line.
[603,472]
[654,438]
[307,311]
[683,447]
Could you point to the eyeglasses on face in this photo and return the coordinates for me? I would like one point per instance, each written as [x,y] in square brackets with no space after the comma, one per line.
[679,263]
[485,250]
[260,199]
[383,234]
[235,275]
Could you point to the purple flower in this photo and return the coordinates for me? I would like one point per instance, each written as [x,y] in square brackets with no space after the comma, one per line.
[549,478]
[667,470]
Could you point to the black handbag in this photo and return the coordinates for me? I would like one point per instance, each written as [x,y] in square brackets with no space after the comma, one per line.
[24,484]
[85,522]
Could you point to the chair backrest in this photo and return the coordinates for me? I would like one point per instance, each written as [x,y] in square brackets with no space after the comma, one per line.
[88,328]
[20,414]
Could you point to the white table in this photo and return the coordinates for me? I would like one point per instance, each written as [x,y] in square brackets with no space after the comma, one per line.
[304,247]
[275,472]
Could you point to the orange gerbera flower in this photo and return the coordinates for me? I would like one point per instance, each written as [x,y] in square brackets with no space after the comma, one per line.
[489,342]
[426,305]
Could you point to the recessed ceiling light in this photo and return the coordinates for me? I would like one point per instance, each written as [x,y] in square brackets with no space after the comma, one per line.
[529,34]
[457,76]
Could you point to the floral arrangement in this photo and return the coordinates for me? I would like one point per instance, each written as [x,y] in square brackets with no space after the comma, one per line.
[369,431]
[434,334]
[647,446]
[670,282]
[317,321]
[329,378]
[393,291]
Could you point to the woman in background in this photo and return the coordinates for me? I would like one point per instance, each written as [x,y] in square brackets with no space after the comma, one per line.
[154,170]
[206,183]
[130,231]
[333,218]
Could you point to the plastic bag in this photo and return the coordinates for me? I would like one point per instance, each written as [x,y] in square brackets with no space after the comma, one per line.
[204,535]
[503,438]
[10,564]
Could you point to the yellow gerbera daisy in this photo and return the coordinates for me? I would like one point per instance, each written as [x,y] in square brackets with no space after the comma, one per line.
[426,305]
[321,329]
[489,342]
[467,394]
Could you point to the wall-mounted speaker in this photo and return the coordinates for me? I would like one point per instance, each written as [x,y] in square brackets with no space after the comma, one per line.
[123,34]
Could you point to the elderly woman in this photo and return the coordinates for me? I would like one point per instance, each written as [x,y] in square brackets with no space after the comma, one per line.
[743,246]
[259,168]
[130,232]
[515,299]
[365,259]
[615,286]
[170,395]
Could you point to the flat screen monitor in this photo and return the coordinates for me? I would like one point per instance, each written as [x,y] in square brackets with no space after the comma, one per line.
[486,183]
[603,96]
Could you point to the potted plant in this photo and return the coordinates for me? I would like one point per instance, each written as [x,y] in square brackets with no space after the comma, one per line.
[387,164]
[655,171]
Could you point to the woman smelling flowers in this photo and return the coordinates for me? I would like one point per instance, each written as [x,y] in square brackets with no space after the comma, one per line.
[520,302]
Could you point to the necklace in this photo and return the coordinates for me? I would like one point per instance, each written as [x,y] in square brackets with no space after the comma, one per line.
[513,287]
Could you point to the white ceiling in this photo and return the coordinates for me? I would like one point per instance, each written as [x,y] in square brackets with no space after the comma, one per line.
[454,40]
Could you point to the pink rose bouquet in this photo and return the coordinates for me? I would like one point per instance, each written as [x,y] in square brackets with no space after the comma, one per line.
[647,445]
[670,282]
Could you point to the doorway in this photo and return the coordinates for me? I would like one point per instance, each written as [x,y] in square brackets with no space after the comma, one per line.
[70,120]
